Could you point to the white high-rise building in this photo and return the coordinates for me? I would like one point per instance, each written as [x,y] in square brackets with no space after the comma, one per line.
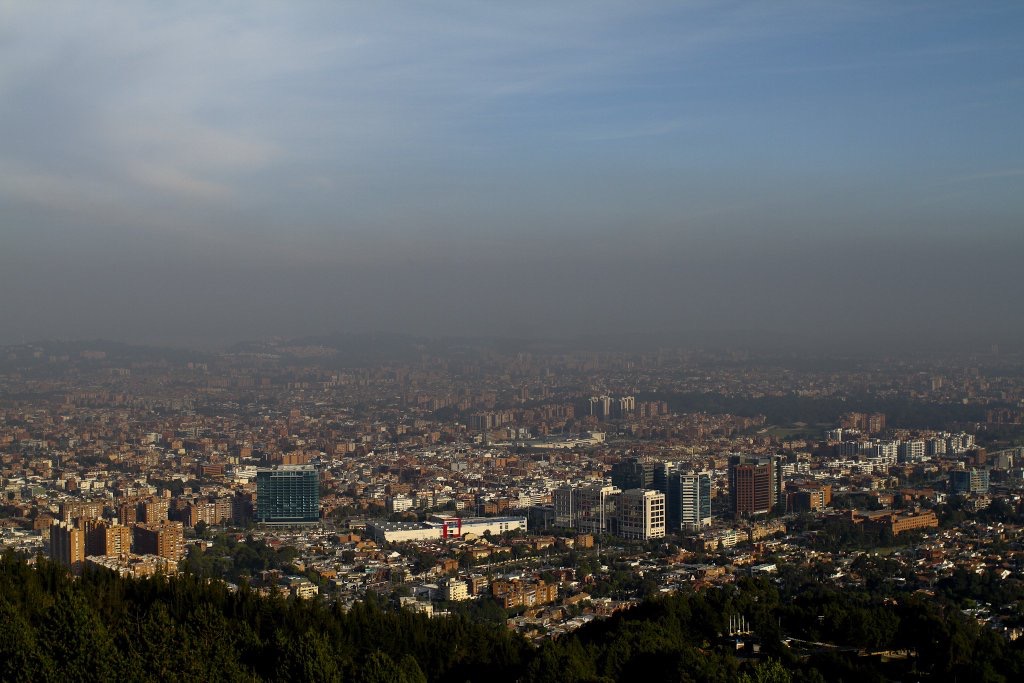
[912,451]
[641,514]
[695,500]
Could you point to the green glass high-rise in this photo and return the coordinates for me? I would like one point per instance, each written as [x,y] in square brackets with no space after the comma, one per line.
[288,494]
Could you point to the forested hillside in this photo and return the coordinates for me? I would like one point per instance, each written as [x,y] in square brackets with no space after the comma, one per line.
[102,627]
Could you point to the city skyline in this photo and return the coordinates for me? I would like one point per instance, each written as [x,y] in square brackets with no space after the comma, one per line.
[196,175]
[543,495]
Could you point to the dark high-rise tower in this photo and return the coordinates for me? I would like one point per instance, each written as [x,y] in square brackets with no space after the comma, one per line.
[288,494]
[633,474]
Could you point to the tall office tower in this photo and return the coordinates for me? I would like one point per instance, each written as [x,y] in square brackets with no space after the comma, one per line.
[566,503]
[755,484]
[288,494]
[633,474]
[688,500]
[641,514]
[166,539]
[67,546]
[662,471]
[596,508]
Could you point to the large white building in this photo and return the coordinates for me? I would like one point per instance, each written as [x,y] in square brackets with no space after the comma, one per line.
[399,532]
[440,528]
[482,525]
[641,514]
[399,503]
[695,500]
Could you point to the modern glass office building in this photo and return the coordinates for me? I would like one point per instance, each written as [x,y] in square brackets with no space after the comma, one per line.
[689,500]
[288,494]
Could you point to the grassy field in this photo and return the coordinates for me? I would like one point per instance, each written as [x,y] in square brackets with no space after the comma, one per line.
[798,429]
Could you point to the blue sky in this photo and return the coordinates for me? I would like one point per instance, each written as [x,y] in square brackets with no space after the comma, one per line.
[457,167]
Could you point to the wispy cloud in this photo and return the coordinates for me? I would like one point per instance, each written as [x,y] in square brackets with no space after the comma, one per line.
[981,176]
[646,130]
[535,138]
[178,182]
[44,188]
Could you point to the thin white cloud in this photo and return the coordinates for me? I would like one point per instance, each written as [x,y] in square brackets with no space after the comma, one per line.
[211,102]
[979,177]
[646,130]
[65,192]
[994,174]
[178,182]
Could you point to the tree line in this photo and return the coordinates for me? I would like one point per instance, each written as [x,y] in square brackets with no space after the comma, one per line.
[103,627]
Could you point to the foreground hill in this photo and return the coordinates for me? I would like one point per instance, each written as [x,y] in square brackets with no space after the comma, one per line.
[102,627]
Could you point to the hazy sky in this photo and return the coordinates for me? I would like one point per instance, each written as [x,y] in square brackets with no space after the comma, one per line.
[206,172]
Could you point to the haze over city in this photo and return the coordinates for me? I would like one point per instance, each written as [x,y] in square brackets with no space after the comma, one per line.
[197,174]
